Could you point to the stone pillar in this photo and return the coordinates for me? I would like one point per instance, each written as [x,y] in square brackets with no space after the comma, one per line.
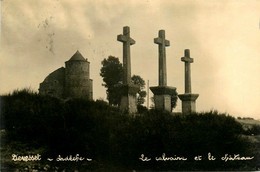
[128,90]
[162,42]
[188,99]
[162,93]
[128,100]
[162,97]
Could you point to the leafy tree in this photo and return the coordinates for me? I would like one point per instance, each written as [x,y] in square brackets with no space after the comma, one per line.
[137,80]
[112,73]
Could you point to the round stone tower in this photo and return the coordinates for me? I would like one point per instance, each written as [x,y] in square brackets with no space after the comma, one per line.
[77,81]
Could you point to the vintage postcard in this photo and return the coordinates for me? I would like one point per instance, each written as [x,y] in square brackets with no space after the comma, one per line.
[150,85]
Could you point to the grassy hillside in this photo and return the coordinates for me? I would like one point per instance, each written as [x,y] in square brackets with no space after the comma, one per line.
[34,124]
[249,121]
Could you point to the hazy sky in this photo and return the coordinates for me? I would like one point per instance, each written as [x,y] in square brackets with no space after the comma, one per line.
[37,37]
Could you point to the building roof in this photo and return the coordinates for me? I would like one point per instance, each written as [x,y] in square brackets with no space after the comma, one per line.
[56,75]
[77,57]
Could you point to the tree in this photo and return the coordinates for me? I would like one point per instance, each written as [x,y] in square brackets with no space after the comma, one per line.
[137,80]
[112,73]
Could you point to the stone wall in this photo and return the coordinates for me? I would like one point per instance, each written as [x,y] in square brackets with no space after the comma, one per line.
[53,84]
[77,82]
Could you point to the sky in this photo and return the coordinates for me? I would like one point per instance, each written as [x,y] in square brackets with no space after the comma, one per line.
[37,37]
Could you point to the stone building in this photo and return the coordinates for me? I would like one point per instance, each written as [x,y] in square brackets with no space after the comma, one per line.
[70,82]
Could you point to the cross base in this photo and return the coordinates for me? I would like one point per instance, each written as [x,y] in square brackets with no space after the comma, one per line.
[188,102]
[162,97]
[128,102]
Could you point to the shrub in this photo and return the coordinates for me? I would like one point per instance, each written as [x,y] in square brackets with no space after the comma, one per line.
[114,140]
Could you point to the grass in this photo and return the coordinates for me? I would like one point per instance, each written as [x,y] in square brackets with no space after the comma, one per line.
[112,139]
[249,121]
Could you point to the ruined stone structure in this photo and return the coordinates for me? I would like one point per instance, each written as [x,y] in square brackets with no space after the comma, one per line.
[188,99]
[70,82]
[129,90]
[162,93]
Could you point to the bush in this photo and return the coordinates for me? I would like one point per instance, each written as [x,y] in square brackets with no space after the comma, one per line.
[116,141]
[252,130]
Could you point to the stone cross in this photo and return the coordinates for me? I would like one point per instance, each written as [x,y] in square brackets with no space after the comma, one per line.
[127,41]
[162,57]
[187,61]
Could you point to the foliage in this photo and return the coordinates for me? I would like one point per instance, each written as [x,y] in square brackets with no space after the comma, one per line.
[115,141]
[174,98]
[141,109]
[112,73]
[253,130]
[158,132]
[137,80]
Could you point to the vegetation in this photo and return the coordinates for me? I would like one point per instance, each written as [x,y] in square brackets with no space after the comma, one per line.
[253,130]
[137,80]
[112,74]
[114,141]
[174,98]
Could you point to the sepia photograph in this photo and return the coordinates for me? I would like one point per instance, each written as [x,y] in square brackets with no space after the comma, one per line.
[148,85]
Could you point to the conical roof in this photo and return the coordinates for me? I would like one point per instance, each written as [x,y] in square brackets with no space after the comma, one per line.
[77,57]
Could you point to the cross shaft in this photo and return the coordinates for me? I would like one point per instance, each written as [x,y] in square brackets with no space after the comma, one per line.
[127,41]
[162,42]
[187,60]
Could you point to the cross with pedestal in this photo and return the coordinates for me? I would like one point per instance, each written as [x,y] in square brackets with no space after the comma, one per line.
[188,99]
[128,90]
[162,93]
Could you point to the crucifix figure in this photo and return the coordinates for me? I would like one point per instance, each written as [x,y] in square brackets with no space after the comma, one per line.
[162,57]
[127,41]
[187,60]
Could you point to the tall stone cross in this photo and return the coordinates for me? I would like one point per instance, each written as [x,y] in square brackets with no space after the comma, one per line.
[127,41]
[162,57]
[187,61]
[188,99]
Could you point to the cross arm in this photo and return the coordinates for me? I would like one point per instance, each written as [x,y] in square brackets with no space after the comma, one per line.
[187,59]
[132,42]
[160,41]
[167,43]
[123,38]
